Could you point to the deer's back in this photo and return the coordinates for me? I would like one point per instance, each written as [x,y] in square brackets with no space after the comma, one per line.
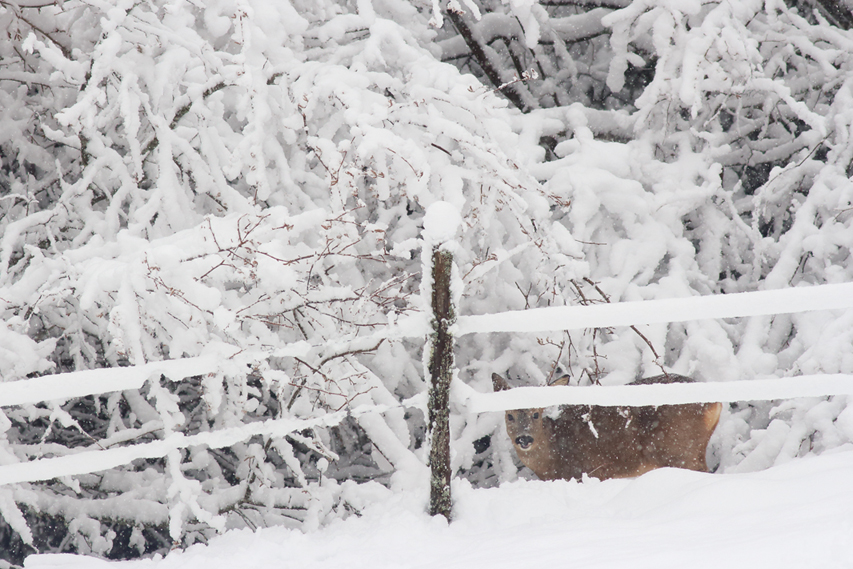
[618,442]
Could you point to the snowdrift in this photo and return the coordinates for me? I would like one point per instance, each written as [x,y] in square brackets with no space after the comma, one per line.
[794,515]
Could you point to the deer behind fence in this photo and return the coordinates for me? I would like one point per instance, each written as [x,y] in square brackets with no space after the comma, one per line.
[611,442]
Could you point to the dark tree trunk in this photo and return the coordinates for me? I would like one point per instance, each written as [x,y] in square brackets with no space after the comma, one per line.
[512,90]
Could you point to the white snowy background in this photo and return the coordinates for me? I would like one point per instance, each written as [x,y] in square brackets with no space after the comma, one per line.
[212,259]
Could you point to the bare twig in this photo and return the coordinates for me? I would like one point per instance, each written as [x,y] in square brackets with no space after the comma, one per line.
[632,327]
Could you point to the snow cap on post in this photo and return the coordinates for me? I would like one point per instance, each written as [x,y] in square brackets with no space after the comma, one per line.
[441,223]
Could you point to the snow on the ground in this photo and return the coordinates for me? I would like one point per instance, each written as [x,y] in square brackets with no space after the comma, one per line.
[796,515]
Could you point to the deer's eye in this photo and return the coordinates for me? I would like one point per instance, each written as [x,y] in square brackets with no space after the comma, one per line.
[509,417]
[536,415]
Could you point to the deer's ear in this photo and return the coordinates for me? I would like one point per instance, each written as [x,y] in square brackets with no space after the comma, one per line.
[563,381]
[499,383]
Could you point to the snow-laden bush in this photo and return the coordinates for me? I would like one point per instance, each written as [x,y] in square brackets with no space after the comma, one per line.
[247,181]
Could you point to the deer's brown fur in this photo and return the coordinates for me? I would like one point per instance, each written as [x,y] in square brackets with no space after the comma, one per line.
[612,442]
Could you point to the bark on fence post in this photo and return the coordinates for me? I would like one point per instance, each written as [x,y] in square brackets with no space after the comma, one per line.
[441,223]
[441,372]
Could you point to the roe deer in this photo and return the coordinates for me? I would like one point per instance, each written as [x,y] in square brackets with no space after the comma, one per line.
[611,442]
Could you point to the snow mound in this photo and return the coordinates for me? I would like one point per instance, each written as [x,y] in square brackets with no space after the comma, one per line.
[795,515]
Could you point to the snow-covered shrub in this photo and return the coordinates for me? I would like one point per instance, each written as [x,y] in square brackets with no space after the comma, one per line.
[243,181]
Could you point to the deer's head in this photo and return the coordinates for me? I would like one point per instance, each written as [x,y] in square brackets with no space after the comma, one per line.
[526,427]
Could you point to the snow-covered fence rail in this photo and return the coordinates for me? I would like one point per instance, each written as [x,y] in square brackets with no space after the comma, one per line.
[738,305]
[88,461]
[663,394]
[96,460]
[97,381]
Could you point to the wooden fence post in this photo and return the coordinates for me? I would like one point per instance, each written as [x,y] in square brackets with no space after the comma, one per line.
[441,223]
[441,372]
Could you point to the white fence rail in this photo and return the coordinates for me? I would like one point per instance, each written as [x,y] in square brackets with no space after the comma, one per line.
[663,394]
[89,460]
[761,303]
[97,381]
